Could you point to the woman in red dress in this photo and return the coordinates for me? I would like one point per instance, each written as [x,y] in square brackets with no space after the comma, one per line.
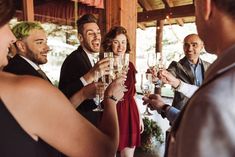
[130,122]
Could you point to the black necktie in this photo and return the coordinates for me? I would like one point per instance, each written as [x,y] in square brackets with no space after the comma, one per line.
[43,74]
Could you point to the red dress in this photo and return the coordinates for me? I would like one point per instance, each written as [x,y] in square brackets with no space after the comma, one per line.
[128,115]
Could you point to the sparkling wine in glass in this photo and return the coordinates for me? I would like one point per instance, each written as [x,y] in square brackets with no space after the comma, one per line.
[146,87]
[151,60]
[125,61]
[100,88]
[160,66]
[109,75]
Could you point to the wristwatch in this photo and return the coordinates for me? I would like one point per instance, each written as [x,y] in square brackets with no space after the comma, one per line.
[112,98]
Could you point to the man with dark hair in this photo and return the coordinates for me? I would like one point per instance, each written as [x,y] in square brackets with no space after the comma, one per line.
[205,127]
[79,67]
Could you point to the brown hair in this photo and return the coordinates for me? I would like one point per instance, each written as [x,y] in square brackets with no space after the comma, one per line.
[108,39]
[87,18]
[7,10]
[228,6]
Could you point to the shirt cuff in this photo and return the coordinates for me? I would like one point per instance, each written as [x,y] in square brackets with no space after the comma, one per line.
[83,81]
[172,114]
[187,89]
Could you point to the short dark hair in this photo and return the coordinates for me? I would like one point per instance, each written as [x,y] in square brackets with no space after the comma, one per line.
[228,6]
[87,18]
[108,39]
[7,11]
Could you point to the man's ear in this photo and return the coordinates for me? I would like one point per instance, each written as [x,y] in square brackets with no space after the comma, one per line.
[20,46]
[208,9]
[80,37]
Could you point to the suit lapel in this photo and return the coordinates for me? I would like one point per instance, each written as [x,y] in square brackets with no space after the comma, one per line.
[84,57]
[30,69]
[184,65]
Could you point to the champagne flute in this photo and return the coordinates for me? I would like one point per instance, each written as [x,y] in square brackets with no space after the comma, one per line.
[146,87]
[100,88]
[160,66]
[151,60]
[125,60]
[108,77]
[117,66]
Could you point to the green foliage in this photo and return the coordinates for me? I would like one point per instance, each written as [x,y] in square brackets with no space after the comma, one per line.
[152,134]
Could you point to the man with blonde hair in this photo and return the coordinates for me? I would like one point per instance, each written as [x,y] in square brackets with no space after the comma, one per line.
[32,50]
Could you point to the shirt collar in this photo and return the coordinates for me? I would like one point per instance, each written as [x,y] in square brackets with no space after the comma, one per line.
[90,55]
[34,65]
[198,63]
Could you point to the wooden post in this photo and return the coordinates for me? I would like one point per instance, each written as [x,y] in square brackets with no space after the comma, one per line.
[123,13]
[159,37]
[28,10]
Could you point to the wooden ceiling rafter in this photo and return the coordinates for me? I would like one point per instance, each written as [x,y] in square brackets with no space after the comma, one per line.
[145,5]
[168,4]
[161,14]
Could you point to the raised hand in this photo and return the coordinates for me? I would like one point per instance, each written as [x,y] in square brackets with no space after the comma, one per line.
[102,66]
[154,101]
[116,88]
[168,78]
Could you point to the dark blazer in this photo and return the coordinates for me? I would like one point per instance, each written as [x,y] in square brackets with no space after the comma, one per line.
[19,66]
[76,65]
[182,71]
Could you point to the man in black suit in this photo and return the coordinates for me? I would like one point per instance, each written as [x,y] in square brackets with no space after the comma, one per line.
[32,50]
[79,68]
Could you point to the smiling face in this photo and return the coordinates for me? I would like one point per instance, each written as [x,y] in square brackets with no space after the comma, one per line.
[192,47]
[91,37]
[119,44]
[5,43]
[35,46]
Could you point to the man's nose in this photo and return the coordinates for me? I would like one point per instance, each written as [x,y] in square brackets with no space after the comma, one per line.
[47,48]
[190,47]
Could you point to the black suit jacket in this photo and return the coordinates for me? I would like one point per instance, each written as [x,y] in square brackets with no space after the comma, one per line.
[76,65]
[182,71]
[19,66]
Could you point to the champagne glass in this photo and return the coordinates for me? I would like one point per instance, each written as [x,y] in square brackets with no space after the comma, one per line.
[96,57]
[146,87]
[125,60]
[151,60]
[100,88]
[108,77]
[160,66]
[117,66]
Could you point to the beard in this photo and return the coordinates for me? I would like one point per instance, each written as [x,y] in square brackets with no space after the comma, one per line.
[35,57]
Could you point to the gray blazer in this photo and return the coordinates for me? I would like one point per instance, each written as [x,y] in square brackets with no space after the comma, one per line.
[182,71]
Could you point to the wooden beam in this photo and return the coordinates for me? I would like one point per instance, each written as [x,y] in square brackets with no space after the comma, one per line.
[141,26]
[160,14]
[180,21]
[159,35]
[166,3]
[145,5]
[28,10]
